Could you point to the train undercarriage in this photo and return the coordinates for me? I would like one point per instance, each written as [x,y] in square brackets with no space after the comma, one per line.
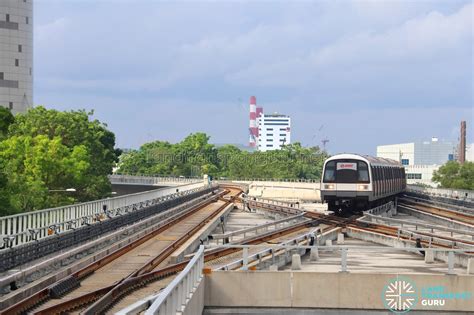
[355,205]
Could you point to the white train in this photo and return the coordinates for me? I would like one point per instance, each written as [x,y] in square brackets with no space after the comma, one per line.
[352,182]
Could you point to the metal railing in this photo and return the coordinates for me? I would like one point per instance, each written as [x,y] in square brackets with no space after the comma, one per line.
[34,225]
[442,192]
[272,205]
[269,250]
[151,180]
[229,237]
[248,180]
[389,221]
[173,298]
[380,209]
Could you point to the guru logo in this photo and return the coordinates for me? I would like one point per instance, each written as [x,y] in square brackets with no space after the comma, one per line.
[399,295]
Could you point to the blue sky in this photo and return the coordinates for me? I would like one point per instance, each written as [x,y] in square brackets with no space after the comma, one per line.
[369,72]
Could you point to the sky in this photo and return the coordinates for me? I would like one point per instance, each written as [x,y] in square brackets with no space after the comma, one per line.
[359,73]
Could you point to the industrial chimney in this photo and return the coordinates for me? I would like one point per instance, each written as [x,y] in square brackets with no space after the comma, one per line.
[462,143]
[253,129]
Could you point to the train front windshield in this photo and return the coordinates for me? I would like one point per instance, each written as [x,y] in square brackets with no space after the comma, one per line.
[346,171]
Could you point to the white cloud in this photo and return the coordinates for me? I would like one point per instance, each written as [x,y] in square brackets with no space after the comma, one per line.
[180,60]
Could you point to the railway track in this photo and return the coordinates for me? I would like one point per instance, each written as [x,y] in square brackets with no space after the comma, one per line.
[100,278]
[445,213]
[160,278]
[123,279]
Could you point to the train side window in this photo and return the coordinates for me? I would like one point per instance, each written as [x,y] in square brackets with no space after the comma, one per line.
[363,172]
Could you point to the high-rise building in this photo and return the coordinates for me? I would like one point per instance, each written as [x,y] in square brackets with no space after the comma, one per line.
[274,131]
[16,54]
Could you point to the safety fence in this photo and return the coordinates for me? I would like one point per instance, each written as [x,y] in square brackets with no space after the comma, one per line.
[14,256]
[442,192]
[173,298]
[151,180]
[34,225]
[244,262]
[243,233]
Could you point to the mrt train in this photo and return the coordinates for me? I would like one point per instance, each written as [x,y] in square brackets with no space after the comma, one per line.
[354,183]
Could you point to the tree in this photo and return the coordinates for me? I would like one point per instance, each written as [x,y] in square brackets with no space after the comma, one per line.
[196,156]
[6,119]
[36,166]
[75,131]
[455,175]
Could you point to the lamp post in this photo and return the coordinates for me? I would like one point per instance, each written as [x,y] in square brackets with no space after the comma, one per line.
[63,190]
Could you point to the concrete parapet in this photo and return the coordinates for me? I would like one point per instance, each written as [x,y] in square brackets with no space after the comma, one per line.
[296,262]
[470,266]
[328,242]
[340,239]
[361,291]
[314,254]
[459,259]
[429,256]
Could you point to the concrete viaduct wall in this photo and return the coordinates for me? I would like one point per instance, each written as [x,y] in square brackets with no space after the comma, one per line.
[270,289]
[289,191]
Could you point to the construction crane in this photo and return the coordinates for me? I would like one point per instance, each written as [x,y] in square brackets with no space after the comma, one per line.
[324,140]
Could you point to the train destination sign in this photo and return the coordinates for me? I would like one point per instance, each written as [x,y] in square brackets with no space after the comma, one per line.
[347,166]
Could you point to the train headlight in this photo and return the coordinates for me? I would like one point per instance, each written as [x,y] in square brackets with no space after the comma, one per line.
[363,187]
[328,186]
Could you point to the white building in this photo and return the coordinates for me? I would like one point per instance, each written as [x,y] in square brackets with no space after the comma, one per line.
[274,131]
[470,152]
[420,158]
[16,54]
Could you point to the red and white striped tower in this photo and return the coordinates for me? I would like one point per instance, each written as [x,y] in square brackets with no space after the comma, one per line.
[253,129]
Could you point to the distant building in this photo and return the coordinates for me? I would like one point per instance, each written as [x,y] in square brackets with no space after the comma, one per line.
[419,152]
[274,131]
[16,54]
[470,152]
[420,158]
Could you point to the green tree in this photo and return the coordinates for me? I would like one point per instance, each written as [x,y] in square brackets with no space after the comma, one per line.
[196,156]
[455,175]
[74,129]
[6,119]
[36,166]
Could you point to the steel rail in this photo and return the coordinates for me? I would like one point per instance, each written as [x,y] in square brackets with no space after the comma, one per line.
[44,294]
[449,214]
[101,295]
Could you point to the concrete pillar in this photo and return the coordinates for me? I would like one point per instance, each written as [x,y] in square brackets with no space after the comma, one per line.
[470,266]
[429,256]
[314,254]
[296,262]
[273,268]
[340,239]
[328,242]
